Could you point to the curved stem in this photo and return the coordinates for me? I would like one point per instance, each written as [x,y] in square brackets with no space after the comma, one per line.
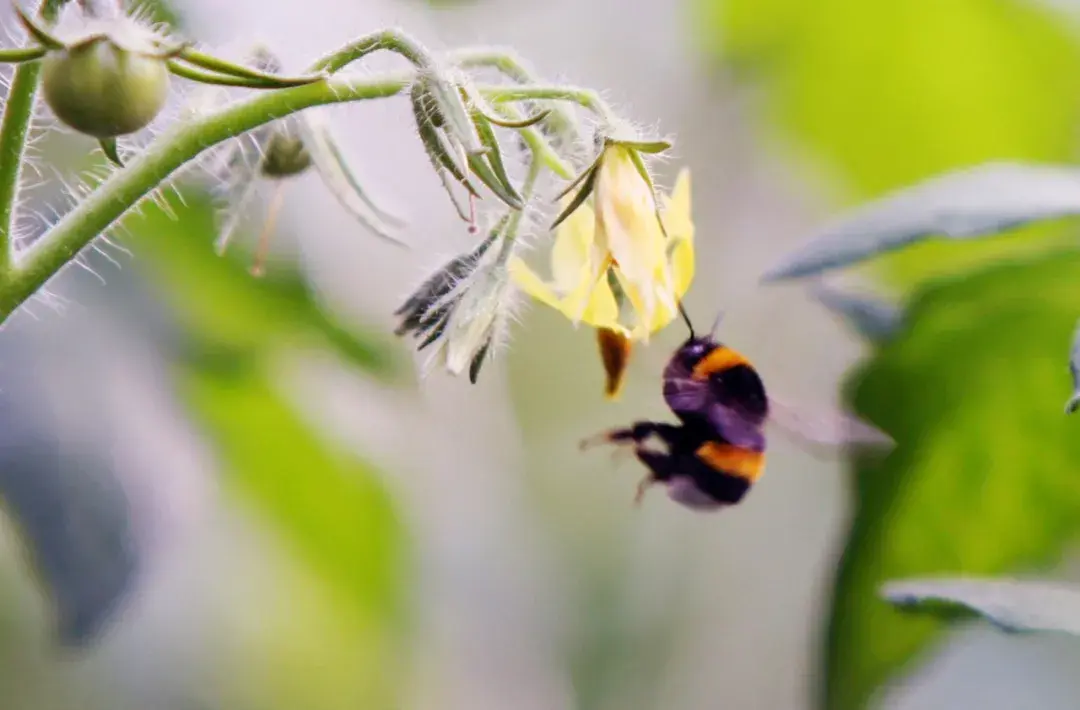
[586,98]
[445,93]
[205,77]
[220,66]
[390,40]
[124,189]
[22,54]
[508,63]
[540,148]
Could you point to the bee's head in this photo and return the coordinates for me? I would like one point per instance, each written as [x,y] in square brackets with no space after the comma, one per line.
[695,348]
[696,345]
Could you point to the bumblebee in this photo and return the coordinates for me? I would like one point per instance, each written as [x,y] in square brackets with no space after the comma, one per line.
[715,454]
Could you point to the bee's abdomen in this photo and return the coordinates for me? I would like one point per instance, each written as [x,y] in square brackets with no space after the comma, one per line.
[738,461]
[723,472]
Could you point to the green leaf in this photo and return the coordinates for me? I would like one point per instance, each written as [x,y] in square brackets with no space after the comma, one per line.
[225,308]
[333,508]
[983,480]
[888,94]
[1011,605]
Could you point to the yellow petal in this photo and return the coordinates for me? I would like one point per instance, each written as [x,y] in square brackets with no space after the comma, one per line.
[641,329]
[627,226]
[676,212]
[593,303]
[615,348]
[571,249]
[527,280]
[662,317]
[682,266]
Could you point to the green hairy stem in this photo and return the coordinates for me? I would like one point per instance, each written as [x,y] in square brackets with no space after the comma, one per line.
[24,272]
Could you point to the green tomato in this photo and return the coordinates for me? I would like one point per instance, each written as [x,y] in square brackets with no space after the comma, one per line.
[102,90]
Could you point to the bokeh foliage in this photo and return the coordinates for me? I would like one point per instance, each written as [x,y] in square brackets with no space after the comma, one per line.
[330,511]
[333,509]
[886,95]
[983,480]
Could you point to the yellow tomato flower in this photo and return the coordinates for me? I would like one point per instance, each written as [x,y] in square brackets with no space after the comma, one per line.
[617,254]
[628,233]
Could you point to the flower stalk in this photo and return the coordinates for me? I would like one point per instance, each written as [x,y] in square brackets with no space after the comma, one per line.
[476,134]
[14,126]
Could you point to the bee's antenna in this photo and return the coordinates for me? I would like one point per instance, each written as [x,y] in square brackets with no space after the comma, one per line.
[716,324]
[686,319]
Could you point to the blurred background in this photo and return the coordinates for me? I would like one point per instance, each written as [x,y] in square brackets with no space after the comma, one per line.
[228,493]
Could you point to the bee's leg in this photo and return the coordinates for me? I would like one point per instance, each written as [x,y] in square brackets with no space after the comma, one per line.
[642,487]
[661,468]
[637,433]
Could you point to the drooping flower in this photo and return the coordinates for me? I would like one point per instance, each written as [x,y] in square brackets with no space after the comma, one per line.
[463,308]
[616,270]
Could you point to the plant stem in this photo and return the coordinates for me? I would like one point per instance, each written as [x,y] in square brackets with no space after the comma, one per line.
[14,126]
[220,66]
[205,77]
[391,40]
[513,67]
[22,54]
[445,93]
[13,129]
[539,146]
[103,207]
[584,97]
[527,188]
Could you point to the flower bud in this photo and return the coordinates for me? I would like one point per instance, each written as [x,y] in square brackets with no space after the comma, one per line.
[103,90]
[462,308]
[285,156]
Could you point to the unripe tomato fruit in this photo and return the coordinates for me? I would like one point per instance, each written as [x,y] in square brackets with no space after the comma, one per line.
[103,90]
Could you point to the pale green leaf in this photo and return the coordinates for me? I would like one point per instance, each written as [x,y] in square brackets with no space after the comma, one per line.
[334,508]
[872,318]
[224,308]
[1009,604]
[981,201]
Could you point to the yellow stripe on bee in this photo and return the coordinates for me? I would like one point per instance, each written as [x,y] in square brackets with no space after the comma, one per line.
[733,460]
[721,358]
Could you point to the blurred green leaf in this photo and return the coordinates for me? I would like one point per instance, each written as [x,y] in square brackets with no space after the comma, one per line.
[224,308]
[332,510]
[334,507]
[1013,606]
[983,480]
[747,33]
[890,93]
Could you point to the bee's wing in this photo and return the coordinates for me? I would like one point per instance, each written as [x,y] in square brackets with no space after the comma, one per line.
[829,431]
